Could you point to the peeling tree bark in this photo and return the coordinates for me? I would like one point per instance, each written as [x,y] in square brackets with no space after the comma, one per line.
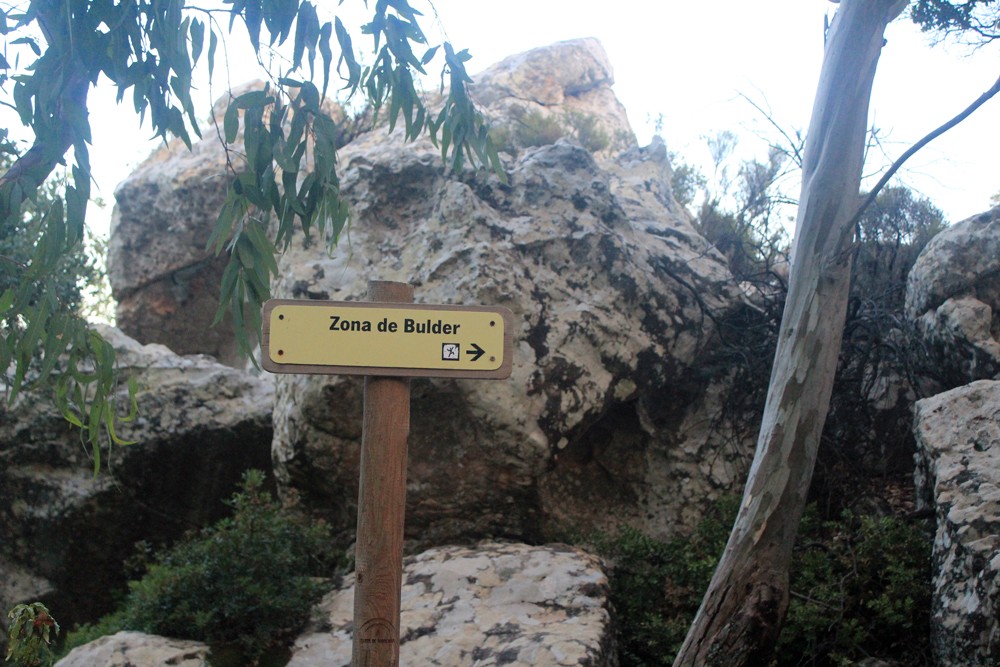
[742,612]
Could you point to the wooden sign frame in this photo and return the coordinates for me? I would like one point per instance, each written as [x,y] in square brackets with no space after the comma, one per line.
[499,373]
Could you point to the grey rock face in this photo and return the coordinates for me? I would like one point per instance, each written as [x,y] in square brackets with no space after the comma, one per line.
[953,294]
[503,604]
[561,89]
[135,649]
[612,295]
[162,276]
[958,444]
[67,532]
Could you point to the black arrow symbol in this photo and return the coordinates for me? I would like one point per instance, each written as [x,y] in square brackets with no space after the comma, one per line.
[476,352]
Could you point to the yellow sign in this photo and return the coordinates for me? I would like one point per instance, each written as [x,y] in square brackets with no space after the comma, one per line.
[358,338]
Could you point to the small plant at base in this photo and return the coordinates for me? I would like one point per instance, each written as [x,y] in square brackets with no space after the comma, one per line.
[249,581]
[30,635]
[656,587]
[861,586]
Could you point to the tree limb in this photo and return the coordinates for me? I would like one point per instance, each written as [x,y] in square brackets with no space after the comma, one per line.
[980,101]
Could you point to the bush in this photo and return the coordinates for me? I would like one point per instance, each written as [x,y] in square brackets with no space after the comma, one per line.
[587,130]
[249,580]
[860,587]
[656,587]
[539,128]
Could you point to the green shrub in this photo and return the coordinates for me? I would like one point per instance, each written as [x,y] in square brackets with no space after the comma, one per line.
[861,586]
[538,129]
[656,587]
[249,580]
[588,131]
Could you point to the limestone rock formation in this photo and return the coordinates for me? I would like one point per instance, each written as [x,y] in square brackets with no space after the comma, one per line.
[614,297]
[66,531]
[135,649]
[162,275]
[614,293]
[953,293]
[564,89]
[494,604]
[958,439]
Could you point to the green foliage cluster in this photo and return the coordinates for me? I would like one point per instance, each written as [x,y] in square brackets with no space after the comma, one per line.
[891,233]
[53,52]
[30,633]
[656,587]
[686,181]
[249,580]
[537,128]
[860,587]
[47,268]
[71,274]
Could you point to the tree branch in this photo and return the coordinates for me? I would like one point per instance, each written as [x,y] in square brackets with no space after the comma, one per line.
[980,101]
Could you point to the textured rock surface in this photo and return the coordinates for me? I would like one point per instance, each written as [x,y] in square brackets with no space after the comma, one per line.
[958,439]
[164,279]
[66,532]
[568,83]
[134,649]
[613,294]
[495,604]
[953,293]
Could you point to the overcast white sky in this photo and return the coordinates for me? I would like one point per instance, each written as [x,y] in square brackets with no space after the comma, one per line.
[690,62]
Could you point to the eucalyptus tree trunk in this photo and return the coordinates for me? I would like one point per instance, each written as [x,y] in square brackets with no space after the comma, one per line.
[742,612]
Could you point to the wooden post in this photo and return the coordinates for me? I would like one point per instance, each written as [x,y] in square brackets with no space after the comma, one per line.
[381,507]
[387,339]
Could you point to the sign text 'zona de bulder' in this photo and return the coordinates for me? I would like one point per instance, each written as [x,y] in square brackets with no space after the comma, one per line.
[360,338]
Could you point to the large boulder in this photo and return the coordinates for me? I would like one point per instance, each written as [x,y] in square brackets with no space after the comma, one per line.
[66,530]
[614,295]
[162,275]
[953,294]
[136,649]
[560,90]
[958,441]
[494,604]
[614,298]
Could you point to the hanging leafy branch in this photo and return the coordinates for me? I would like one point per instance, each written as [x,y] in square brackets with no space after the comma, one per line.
[286,180]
